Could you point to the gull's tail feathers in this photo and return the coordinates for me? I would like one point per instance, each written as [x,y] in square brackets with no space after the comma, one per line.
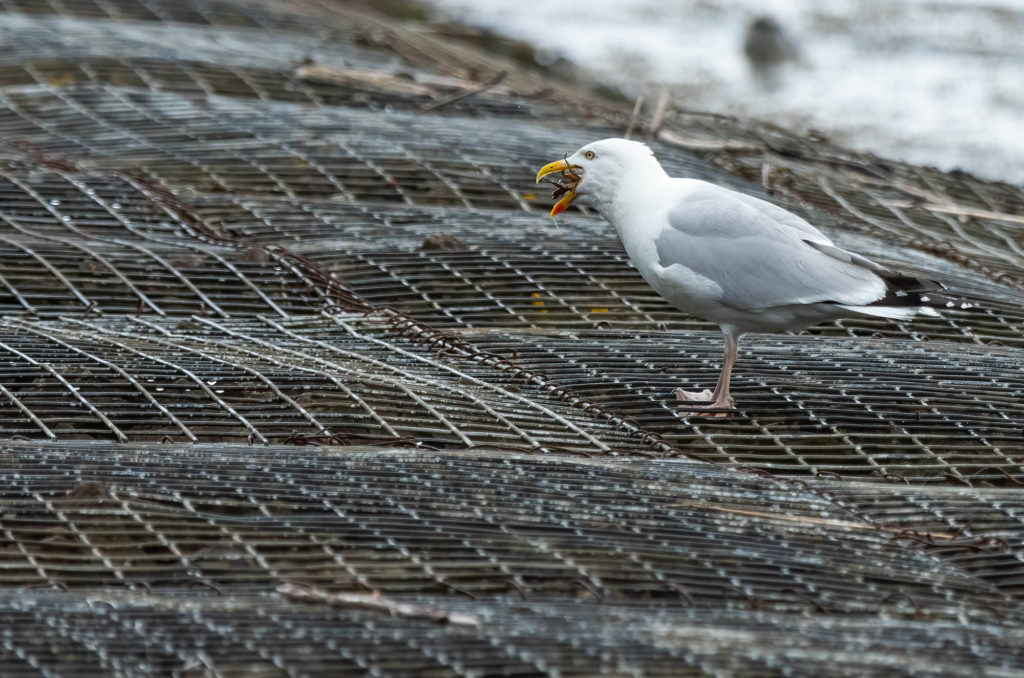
[905,295]
[892,312]
[916,295]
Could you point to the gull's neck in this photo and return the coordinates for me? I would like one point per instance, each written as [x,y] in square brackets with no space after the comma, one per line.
[642,187]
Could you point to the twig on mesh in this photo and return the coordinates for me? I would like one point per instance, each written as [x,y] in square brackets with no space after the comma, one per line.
[374,603]
[660,108]
[999,470]
[458,96]
[580,581]
[40,158]
[633,116]
[818,605]
[301,439]
[919,612]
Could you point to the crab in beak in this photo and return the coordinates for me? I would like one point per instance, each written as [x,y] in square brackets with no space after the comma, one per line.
[565,189]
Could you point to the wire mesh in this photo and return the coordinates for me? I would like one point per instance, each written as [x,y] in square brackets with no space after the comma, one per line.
[264,321]
[635,562]
[462,525]
[260,637]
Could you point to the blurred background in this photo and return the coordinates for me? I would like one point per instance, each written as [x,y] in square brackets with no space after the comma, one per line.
[935,82]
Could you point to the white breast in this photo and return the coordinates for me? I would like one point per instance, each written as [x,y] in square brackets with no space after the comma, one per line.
[639,215]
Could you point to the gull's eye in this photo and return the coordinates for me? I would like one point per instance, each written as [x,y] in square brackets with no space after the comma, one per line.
[589,155]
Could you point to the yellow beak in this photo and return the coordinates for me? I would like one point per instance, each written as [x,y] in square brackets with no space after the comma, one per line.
[558,166]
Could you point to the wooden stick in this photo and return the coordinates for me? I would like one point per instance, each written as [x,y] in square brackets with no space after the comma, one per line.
[458,96]
[374,603]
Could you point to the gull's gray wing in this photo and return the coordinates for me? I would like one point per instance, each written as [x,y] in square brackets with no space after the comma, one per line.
[773,212]
[758,261]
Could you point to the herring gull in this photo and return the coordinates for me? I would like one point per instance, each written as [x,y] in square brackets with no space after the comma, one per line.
[730,258]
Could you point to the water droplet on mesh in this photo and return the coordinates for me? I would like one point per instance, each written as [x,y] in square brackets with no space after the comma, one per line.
[55,202]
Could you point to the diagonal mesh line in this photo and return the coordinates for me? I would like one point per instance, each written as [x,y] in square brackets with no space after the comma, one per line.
[95,115]
[31,658]
[920,445]
[454,270]
[281,184]
[440,176]
[462,375]
[454,536]
[48,129]
[155,637]
[95,649]
[366,661]
[120,371]
[622,517]
[660,577]
[398,384]
[81,536]
[221,524]
[220,259]
[29,414]
[17,295]
[625,301]
[227,631]
[103,334]
[388,539]
[223,360]
[374,167]
[539,547]
[407,284]
[900,213]
[186,562]
[539,285]
[40,570]
[49,267]
[119,218]
[127,224]
[346,390]
[46,367]
[422,561]
[498,181]
[256,373]
[405,374]
[143,299]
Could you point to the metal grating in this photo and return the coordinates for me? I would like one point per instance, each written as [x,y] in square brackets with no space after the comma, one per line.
[267,323]
[708,554]
[940,412]
[474,526]
[261,637]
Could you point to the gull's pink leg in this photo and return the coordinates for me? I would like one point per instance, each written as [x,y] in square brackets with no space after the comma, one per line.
[719,399]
